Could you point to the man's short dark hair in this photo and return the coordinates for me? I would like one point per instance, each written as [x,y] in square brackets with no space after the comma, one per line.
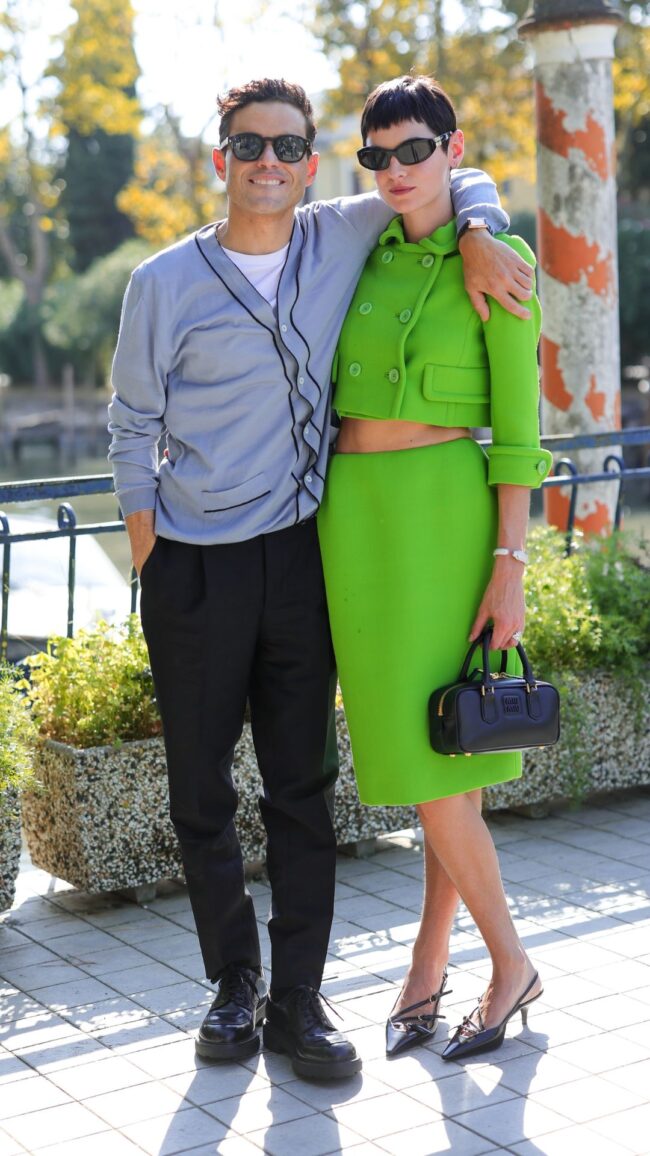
[257,91]
[408,98]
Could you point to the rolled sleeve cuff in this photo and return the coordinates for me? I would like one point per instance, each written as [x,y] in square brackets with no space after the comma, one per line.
[139,498]
[517,466]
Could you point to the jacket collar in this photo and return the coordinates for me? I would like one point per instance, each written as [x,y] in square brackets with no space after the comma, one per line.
[441,242]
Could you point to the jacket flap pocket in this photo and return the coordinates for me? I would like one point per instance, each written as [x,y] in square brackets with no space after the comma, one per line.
[248,491]
[454,383]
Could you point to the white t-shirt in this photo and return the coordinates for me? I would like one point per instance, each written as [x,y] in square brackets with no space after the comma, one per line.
[262,270]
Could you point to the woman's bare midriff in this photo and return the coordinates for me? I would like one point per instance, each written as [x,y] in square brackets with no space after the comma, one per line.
[367,436]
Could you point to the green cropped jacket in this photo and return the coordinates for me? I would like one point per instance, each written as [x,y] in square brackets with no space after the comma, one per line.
[413,348]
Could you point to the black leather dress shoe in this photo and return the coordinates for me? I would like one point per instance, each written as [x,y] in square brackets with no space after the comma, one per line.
[297,1026]
[229,1031]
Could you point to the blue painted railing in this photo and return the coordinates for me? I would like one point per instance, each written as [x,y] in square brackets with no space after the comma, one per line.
[565,474]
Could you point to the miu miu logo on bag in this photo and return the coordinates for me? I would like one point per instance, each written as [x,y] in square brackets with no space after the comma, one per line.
[511,704]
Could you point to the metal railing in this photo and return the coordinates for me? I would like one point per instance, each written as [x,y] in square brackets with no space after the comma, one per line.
[565,474]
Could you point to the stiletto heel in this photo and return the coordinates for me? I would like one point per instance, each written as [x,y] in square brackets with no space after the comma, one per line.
[472,1036]
[405,1031]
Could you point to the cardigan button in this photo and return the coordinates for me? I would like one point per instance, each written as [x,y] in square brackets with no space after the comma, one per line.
[354,369]
[393,376]
[541,468]
[427,261]
[405,316]
[387,257]
[365,307]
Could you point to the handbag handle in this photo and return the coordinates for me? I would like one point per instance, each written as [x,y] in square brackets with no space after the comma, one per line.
[484,640]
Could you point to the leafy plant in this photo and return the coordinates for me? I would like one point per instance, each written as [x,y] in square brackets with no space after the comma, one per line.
[94,689]
[591,610]
[588,612]
[17,734]
[563,627]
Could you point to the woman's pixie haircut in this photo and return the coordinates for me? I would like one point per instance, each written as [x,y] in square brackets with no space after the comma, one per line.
[408,98]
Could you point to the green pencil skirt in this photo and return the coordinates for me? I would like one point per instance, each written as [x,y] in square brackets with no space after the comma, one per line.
[406,539]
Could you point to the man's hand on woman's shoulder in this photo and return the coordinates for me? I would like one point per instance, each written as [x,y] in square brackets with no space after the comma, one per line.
[492,268]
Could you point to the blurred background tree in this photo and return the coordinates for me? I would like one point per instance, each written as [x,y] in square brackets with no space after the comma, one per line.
[96,116]
[29,188]
[485,70]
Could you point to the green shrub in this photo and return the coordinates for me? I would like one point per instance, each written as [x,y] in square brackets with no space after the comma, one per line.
[591,610]
[17,734]
[95,689]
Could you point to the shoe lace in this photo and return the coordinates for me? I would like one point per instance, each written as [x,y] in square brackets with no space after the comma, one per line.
[310,1002]
[235,985]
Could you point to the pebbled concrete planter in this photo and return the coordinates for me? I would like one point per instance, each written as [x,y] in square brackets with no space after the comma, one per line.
[101,820]
[9,846]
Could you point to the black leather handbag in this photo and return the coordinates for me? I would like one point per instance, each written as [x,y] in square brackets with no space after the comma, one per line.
[485,712]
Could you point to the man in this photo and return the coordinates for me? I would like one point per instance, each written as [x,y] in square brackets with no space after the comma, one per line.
[225,348]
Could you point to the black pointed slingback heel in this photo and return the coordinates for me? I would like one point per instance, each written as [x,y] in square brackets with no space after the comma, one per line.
[404,1030]
[472,1037]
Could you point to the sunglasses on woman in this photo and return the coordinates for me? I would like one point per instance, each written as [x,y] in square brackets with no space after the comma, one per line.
[249,146]
[409,152]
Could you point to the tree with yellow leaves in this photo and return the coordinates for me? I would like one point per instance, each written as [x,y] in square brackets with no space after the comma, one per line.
[97,115]
[172,189]
[485,72]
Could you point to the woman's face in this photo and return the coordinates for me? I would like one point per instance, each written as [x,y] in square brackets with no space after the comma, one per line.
[411,188]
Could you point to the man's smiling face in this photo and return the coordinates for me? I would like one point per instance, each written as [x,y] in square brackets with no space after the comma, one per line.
[266,186]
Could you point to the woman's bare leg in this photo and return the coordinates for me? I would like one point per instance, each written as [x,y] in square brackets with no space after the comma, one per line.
[463,847]
[431,947]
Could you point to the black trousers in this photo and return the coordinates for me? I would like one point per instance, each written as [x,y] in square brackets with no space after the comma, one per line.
[223,624]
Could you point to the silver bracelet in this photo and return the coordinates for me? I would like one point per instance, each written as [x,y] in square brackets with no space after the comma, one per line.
[503,552]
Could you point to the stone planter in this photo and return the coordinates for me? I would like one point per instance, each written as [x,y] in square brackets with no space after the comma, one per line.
[9,846]
[101,819]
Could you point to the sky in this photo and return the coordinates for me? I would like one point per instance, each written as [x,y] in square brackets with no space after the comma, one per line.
[185,62]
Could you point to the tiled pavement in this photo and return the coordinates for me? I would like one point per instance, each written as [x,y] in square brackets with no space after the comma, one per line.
[100,999]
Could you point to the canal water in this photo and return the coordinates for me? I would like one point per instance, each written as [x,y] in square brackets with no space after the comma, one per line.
[39,462]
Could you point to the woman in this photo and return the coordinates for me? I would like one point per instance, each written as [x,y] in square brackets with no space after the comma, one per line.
[412,516]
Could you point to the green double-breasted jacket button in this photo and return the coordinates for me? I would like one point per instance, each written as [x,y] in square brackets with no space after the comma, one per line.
[387,257]
[541,467]
[354,369]
[393,376]
[405,316]
[365,307]
[427,261]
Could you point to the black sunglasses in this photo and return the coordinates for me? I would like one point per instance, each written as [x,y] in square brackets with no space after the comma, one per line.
[249,146]
[409,152]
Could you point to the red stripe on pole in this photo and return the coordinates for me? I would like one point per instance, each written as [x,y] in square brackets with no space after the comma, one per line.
[553,384]
[568,258]
[556,509]
[591,141]
[596,399]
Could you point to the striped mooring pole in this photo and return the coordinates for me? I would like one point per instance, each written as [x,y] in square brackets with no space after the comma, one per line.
[573,44]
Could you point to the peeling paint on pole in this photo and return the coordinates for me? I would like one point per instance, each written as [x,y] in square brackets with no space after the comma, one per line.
[577,237]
